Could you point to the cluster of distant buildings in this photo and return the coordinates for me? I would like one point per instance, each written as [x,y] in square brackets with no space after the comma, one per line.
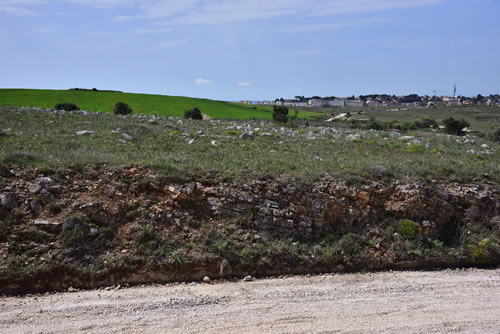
[379,100]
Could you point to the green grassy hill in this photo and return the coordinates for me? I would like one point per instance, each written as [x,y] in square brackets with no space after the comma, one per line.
[160,105]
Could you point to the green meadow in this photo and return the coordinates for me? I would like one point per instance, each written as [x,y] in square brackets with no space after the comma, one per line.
[146,104]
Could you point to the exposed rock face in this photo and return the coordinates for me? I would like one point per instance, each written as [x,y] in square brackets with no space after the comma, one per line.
[117,202]
[303,212]
[311,211]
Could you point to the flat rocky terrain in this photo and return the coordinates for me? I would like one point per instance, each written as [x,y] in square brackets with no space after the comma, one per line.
[458,301]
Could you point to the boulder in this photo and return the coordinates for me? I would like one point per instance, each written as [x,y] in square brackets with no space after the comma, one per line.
[225,268]
[8,201]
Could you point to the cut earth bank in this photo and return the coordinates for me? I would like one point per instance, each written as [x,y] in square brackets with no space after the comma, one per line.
[106,226]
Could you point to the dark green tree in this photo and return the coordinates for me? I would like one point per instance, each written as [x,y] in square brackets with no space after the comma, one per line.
[67,106]
[454,126]
[194,113]
[280,114]
[121,108]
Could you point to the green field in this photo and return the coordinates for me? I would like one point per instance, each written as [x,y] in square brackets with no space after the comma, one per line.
[146,104]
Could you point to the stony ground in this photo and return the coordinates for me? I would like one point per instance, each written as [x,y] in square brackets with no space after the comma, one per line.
[458,301]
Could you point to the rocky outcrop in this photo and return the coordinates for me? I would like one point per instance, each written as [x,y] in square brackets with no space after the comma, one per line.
[260,212]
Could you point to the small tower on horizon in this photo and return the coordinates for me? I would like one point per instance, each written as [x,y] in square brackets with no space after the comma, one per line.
[455,89]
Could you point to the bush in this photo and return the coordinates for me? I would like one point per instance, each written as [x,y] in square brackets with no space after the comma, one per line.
[280,114]
[455,127]
[406,126]
[121,108]
[194,113]
[351,245]
[66,106]
[374,125]
[426,122]
[407,228]
[75,230]
[495,136]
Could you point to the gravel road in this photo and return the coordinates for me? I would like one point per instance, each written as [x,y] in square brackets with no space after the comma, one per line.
[458,301]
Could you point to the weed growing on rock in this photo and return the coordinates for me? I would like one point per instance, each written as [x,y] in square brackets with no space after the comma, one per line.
[407,229]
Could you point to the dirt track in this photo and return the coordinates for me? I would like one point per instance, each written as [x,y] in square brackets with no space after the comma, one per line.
[400,302]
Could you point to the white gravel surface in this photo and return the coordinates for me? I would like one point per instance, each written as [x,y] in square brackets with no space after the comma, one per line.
[457,301]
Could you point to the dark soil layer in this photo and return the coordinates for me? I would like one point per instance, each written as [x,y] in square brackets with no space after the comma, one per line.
[93,227]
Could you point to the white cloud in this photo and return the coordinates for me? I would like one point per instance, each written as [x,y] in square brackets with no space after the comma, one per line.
[16,10]
[244,84]
[202,82]
[226,11]
[357,6]
[331,26]
[17,7]
[103,3]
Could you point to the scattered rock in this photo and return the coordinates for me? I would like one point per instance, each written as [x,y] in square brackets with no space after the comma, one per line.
[225,268]
[45,182]
[8,201]
[207,280]
[48,225]
[339,269]
[85,132]
[248,279]
[34,188]
[127,136]
[35,207]
[249,135]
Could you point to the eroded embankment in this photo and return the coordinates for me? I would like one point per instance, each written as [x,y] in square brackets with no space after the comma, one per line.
[105,226]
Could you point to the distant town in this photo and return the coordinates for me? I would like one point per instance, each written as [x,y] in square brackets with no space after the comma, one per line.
[379,100]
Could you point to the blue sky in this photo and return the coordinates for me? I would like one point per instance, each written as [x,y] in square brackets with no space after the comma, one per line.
[255,49]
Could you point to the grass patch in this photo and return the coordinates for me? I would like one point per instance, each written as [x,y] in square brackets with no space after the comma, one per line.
[212,150]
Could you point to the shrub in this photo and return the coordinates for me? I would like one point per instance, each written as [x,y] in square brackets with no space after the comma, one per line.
[374,125]
[426,122]
[194,113]
[495,136]
[455,127]
[75,230]
[407,229]
[406,126]
[66,106]
[121,108]
[390,124]
[350,244]
[280,114]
